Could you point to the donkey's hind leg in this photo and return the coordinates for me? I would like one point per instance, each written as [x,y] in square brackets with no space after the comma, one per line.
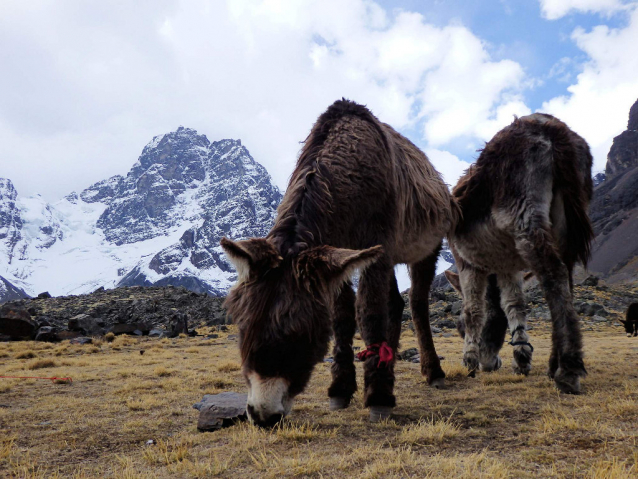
[536,245]
[422,274]
[473,285]
[513,303]
[344,376]
[493,334]
[372,317]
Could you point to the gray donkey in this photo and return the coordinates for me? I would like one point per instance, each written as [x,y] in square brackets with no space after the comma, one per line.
[524,204]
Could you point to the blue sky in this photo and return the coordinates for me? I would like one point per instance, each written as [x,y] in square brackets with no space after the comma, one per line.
[91,83]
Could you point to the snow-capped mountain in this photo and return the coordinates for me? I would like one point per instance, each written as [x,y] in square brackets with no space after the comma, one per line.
[160,224]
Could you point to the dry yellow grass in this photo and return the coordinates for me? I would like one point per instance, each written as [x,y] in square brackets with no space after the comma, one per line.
[494,426]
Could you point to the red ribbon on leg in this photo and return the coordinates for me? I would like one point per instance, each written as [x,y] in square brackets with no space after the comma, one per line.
[385,352]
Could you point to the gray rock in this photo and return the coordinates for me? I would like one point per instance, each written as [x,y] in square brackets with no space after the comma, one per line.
[86,324]
[591,281]
[457,306]
[220,410]
[155,332]
[44,295]
[435,330]
[81,340]
[446,323]
[599,319]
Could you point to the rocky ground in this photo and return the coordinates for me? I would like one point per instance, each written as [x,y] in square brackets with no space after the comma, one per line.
[144,308]
[139,310]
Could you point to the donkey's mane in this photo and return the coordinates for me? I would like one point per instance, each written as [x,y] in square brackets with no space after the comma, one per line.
[304,211]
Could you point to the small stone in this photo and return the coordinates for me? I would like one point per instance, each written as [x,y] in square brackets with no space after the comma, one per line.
[446,323]
[435,330]
[599,319]
[137,332]
[212,336]
[82,340]
[328,360]
[232,336]
[220,410]
[408,354]
[150,442]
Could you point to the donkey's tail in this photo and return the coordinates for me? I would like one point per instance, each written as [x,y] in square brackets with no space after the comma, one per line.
[572,178]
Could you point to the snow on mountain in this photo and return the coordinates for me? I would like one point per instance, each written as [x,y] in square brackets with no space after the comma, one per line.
[160,224]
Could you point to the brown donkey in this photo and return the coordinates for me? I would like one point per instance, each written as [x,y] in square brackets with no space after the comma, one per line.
[361,197]
[524,205]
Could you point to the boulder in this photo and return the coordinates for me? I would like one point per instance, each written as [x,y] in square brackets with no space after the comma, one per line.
[46,333]
[16,322]
[220,410]
[82,340]
[179,325]
[457,306]
[86,324]
[591,281]
[44,295]
[156,332]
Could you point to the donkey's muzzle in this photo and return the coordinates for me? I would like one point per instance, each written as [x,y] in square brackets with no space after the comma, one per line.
[266,422]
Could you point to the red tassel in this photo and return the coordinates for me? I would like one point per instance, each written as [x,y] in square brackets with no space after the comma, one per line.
[386,355]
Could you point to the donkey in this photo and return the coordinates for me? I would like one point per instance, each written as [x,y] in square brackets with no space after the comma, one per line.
[361,197]
[631,320]
[524,206]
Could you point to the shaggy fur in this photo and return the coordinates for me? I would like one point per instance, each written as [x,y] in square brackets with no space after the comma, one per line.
[361,196]
[631,320]
[524,206]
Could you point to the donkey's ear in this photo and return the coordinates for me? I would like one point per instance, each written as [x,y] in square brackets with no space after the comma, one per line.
[454,280]
[335,265]
[251,255]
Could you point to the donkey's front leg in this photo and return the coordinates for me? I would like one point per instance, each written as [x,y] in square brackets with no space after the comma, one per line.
[344,376]
[372,316]
[473,285]
[513,303]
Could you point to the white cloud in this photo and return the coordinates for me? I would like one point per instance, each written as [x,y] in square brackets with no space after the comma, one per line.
[597,106]
[555,9]
[92,83]
[449,165]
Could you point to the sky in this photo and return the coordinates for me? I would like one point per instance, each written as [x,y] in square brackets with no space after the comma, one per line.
[85,85]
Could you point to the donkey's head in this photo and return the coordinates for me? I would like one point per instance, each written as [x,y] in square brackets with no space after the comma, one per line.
[282,307]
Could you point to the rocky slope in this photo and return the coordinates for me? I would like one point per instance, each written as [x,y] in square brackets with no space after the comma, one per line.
[614,209]
[158,225]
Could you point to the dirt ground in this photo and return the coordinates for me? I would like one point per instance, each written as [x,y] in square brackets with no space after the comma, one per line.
[495,425]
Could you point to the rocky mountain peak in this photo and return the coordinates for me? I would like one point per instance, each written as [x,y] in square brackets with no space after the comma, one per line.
[633,117]
[10,219]
[623,154]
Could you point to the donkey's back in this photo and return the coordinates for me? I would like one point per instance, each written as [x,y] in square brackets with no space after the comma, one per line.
[534,173]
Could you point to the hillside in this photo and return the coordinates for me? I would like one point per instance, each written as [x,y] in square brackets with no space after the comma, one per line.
[614,209]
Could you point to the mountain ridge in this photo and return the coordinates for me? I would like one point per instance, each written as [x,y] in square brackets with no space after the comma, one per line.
[159,224]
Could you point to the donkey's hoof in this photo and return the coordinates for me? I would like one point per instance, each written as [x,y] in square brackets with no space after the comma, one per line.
[522,363]
[568,383]
[471,361]
[492,365]
[337,403]
[379,413]
[438,383]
